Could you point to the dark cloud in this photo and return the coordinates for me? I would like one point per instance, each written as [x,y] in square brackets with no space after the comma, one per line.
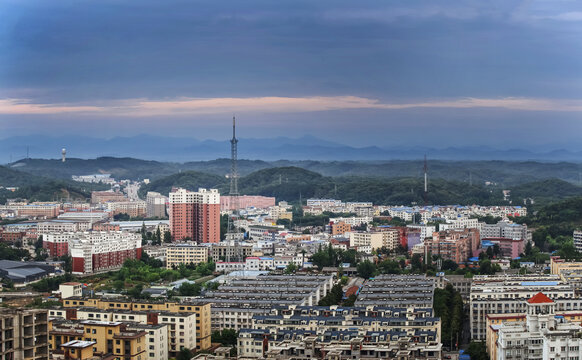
[87,51]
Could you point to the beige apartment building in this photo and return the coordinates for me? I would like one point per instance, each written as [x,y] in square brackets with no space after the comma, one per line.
[185,254]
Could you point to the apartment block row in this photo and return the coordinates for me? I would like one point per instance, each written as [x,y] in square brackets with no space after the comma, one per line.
[413,291]
[189,323]
[235,304]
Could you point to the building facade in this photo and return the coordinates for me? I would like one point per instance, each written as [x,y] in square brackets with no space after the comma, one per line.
[195,215]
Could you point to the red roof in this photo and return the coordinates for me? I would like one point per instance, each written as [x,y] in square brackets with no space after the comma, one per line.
[540,298]
[352,291]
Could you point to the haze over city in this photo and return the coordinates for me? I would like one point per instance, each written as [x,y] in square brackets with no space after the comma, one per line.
[506,74]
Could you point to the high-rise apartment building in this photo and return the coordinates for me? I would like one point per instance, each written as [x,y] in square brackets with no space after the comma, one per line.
[156,205]
[24,334]
[195,215]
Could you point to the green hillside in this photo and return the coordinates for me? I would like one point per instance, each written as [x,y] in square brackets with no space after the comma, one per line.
[191,180]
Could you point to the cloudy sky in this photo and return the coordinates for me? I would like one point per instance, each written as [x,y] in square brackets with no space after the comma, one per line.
[440,73]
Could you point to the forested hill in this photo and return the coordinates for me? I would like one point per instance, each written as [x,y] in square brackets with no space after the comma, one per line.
[502,173]
[292,183]
[38,188]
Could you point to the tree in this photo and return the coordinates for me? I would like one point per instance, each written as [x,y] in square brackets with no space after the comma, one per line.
[67,263]
[189,289]
[390,267]
[226,337]
[477,350]
[185,354]
[167,237]
[416,262]
[366,269]
[449,265]
[291,268]
[121,217]
[334,297]
[158,236]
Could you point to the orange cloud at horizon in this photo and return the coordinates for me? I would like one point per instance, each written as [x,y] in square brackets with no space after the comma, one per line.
[193,106]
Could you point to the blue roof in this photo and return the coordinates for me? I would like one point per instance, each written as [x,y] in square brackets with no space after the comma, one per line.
[539,283]
[474,259]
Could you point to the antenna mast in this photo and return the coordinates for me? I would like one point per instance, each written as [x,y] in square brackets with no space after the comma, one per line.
[233,237]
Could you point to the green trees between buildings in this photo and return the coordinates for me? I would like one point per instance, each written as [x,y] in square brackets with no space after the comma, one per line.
[334,297]
[448,305]
[185,354]
[330,257]
[51,283]
[366,269]
[226,337]
[477,350]
[138,273]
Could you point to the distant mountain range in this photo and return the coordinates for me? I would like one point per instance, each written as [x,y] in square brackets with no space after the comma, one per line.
[180,149]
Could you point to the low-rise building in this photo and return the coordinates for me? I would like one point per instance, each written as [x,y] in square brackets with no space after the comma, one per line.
[186,253]
[71,289]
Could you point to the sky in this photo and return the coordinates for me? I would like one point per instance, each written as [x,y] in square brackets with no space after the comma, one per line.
[440,73]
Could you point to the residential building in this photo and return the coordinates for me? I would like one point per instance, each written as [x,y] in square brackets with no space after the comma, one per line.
[57,243]
[511,248]
[137,311]
[156,339]
[455,245]
[340,228]
[24,334]
[234,304]
[107,337]
[348,344]
[71,289]
[388,238]
[504,229]
[131,208]
[542,335]
[100,197]
[33,210]
[103,251]
[195,215]
[227,203]
[156,205]
[185,253]
[56,226]
[222,251]
[459,282]
[497,294]
[577,235]
[415,291]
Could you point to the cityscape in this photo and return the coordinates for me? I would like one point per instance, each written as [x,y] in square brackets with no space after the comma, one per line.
[290,180]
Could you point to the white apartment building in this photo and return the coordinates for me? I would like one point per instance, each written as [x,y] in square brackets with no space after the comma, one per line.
[71,289]
[542,336]
[181,330]
[578,240]
[497,294]
[375,240]
[156,339]
[62,226]
[425,230]
[353,221]
[103,250]
[460,223]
